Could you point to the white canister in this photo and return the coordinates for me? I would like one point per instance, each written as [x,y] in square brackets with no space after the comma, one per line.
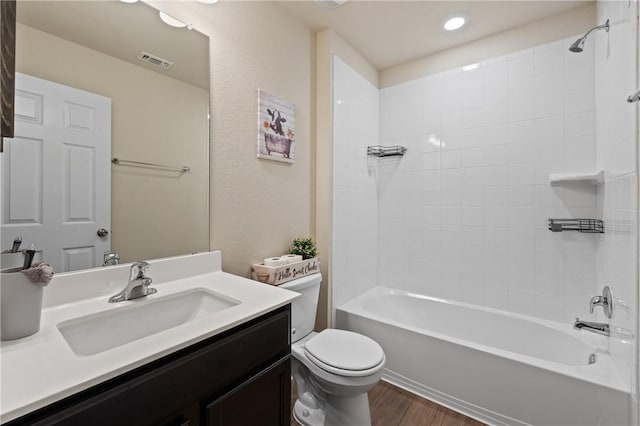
[20,305]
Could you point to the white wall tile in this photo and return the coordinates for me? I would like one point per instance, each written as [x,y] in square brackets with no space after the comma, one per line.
[495,70]
[579,100]
[579,77]
[579,124]
[503,129]
[521,89]
[494,134]
[495,113]
[472,176]
[549,83]
[521,66]
[549,127]
[521,131]
[496,92]
[354,190]
[549,58]
[521,110]
[550,104]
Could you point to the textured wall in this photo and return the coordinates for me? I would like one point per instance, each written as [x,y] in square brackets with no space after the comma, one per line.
[257,206]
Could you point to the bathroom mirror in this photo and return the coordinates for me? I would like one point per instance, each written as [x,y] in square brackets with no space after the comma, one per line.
[159,114]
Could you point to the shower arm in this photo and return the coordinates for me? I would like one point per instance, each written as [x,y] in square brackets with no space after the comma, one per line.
[604,26]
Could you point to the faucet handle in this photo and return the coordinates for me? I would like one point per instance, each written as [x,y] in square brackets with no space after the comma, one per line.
[138,270]
[595,301]
[606,301]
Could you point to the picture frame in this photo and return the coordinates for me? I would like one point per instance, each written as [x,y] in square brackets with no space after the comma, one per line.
[276,128]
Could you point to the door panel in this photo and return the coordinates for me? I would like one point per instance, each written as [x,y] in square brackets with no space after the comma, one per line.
[56,174]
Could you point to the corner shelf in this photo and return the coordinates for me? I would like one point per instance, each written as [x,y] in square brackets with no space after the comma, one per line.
[594,178]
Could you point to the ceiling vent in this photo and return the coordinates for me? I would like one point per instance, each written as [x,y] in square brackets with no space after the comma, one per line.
[331,4]
[155,60]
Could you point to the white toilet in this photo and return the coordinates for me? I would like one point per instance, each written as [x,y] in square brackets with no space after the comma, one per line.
[333,369]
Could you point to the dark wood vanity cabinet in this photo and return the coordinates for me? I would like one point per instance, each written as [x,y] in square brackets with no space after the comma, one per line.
[240,377]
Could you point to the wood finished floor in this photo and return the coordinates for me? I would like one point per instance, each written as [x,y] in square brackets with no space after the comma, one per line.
[392,406]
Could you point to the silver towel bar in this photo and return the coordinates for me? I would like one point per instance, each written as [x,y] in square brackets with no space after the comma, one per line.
[183,169]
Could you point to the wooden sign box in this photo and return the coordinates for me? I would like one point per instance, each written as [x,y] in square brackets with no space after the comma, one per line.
[281,274]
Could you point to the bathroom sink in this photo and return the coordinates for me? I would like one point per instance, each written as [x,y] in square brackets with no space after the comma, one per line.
[96,333]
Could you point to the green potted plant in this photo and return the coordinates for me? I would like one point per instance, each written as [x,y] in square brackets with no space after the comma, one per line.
[305,247]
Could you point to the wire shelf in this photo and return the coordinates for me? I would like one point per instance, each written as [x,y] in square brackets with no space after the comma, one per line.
[386,151]
[590,226]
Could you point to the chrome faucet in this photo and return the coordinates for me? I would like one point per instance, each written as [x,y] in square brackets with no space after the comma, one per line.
[606,301]
[138,285]
[111,259]
[594,327]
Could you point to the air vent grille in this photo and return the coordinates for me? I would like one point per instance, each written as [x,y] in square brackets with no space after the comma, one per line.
[155,60]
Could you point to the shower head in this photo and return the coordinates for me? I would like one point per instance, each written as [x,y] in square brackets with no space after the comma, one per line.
[578,45]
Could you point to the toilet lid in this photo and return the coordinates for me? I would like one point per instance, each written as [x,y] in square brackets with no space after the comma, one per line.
[344,350]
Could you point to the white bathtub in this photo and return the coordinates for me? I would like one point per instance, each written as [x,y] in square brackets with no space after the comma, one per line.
[498,367]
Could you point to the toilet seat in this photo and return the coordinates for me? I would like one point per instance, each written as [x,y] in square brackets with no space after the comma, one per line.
[345,353]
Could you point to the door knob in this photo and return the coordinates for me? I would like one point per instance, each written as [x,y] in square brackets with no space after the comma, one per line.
[102,232]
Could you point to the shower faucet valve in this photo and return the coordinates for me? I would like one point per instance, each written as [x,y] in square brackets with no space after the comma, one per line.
[606,301]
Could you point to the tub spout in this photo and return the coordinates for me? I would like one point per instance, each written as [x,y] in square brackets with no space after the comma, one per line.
[594,327]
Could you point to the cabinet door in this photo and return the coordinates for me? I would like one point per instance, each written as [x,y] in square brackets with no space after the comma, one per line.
[264,400]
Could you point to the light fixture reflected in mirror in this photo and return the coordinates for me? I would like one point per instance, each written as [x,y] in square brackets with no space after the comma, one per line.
[169,20]
[454,22]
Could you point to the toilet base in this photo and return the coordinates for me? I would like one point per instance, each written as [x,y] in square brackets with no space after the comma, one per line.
[307,416]
[339,411]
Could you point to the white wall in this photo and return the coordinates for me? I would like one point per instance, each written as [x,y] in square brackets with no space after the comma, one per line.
[257,206]
[464,214]
[355,218]
[616,141]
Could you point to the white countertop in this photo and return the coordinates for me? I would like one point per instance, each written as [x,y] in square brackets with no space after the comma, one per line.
[41,369]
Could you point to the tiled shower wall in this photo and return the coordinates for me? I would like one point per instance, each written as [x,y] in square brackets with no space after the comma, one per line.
[463,214]
[355,212]
[616,141]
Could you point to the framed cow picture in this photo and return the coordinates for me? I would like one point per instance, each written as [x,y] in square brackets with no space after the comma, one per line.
[276,128]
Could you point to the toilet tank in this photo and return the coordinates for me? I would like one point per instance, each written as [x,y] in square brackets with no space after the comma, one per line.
[303,308]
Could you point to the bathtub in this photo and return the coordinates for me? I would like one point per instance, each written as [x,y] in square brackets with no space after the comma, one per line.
[497,367]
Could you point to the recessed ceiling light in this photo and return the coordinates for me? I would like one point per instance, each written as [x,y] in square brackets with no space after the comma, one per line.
[208,1]
[169,20]
[454,23]
[129,1]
